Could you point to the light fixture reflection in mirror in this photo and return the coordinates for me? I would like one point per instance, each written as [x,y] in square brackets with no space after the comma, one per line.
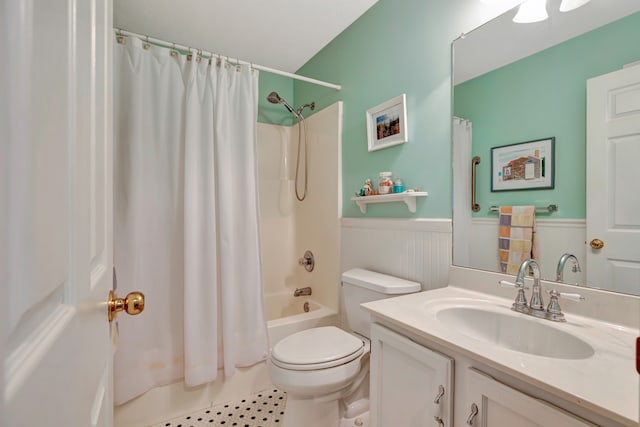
[531,11]
[569,5]
[536,10]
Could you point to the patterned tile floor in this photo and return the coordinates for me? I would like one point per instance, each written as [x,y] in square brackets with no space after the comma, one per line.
[264,409]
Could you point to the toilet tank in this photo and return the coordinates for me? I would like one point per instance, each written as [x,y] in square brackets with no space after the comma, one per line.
[360,286]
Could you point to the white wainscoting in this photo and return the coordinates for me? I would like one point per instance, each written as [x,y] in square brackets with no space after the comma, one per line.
[554,237]
[414,249]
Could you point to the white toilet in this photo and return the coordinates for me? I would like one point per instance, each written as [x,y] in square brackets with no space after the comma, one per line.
[322,369]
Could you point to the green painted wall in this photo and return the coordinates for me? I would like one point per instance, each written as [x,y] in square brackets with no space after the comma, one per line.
[541,96]
[396,47]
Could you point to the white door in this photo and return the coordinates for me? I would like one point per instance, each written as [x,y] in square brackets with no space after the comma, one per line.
[56,212]
[411,385]
[613,179]
[494,404]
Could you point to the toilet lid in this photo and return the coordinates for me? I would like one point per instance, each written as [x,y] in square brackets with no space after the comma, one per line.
[316,348]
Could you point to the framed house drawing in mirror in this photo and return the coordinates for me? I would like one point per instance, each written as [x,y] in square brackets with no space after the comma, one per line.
[523,166]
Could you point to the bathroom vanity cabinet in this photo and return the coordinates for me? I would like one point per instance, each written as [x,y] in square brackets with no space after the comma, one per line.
[411,385]
[407,371]
[518,370]
[497,404]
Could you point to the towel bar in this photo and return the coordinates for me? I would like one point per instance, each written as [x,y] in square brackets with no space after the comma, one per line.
[550,208]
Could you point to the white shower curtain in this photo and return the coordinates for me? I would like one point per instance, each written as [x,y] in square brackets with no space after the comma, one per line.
[185,218]
[462,132]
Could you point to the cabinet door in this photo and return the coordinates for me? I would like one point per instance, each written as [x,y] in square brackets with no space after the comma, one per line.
[411,386]
[494,404]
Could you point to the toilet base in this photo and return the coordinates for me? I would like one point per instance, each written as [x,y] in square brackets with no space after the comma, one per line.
[311,413]
[361,420]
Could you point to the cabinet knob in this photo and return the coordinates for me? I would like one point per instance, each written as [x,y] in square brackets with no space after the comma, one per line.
[439,395]
[596,244]
[472,416]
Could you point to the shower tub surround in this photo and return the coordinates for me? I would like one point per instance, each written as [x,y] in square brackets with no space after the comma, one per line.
[289,227]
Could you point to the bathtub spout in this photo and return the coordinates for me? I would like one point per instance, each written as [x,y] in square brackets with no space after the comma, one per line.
[302,291]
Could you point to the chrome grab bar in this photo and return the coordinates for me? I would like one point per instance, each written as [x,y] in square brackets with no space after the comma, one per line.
[475,207]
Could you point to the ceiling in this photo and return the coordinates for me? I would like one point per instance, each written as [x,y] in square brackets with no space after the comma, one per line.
[281,34]
[486,48]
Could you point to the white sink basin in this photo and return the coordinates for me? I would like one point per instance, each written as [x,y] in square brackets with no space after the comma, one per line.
[515,332]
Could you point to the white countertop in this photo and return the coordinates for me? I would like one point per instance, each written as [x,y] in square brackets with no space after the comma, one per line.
[606,383]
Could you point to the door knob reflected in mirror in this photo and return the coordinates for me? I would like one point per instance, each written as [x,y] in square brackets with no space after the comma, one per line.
[596,244]
[132,304]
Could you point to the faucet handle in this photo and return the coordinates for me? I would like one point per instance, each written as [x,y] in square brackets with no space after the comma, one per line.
[507,284]
[566,295]
[553,309]
[520,304]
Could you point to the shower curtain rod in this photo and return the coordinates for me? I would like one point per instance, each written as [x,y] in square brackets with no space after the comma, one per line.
[211,54]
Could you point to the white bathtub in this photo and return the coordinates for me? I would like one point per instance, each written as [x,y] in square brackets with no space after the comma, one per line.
[286,315]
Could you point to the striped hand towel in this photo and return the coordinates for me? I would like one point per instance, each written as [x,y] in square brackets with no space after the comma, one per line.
[516,237]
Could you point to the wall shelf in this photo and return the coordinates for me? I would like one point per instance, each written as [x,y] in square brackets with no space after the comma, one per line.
[409,198]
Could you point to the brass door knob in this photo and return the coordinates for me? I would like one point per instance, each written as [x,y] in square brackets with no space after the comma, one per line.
[596,244]
[132,304]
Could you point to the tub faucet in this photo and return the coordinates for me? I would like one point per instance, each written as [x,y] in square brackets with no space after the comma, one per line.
[302,291]
[563,260]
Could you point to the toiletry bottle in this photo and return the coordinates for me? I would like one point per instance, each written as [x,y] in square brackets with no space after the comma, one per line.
[398,185]
[385,183]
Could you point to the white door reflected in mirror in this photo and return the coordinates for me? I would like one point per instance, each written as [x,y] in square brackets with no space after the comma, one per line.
[613,199]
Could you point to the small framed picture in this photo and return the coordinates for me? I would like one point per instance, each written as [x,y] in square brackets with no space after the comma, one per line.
[524,166]
[387,123]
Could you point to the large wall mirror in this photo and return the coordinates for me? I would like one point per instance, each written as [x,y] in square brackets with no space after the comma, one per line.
[515,83]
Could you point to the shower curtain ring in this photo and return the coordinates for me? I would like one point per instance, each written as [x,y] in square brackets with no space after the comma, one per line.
[120,38]
[147,45]
[174,52]
[189,55]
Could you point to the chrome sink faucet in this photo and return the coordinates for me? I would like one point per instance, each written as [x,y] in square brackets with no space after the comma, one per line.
[536,295]
[536,306]
[562,261]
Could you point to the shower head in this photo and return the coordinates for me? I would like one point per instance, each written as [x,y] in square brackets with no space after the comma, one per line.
[274,98]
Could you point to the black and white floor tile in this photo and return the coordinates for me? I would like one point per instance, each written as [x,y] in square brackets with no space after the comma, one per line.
[263,409]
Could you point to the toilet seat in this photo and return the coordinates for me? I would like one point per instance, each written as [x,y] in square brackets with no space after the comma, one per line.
[317,348]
